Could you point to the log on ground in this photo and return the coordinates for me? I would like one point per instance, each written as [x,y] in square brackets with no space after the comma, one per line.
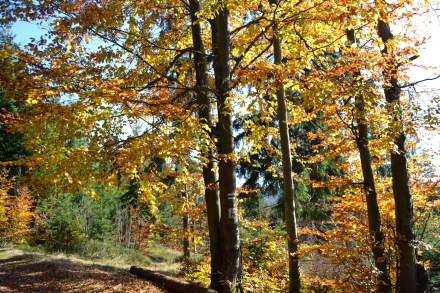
[170,283]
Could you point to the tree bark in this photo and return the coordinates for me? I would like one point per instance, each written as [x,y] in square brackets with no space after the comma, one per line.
[186,242]
[374,219]
[289,194]
[209,176]
[227,184]
[406,274]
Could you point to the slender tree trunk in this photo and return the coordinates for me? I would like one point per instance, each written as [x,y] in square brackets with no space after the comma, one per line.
[128,231]
[193,240]
[374,220]
[209,177]
[228,196]
[185,242]
[289,194]
[401,191]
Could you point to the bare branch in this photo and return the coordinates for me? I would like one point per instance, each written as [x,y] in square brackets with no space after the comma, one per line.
[419,81]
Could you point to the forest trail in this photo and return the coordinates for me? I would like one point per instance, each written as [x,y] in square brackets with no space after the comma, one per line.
[30,272]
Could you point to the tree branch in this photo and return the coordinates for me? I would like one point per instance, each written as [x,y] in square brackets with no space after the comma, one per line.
[419,81]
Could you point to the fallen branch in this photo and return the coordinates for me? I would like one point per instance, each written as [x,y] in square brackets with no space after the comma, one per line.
[172,284]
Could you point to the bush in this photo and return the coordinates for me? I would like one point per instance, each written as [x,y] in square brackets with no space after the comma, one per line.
[60,225]
[15,211]
[65,221]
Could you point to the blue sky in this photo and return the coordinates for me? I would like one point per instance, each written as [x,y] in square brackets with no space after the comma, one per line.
[24,31]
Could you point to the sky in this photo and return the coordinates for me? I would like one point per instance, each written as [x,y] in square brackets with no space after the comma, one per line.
[429,56]
[24,31]
[426,26]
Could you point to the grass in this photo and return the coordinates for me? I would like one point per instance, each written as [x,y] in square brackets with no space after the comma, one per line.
[163,259]
[158,256]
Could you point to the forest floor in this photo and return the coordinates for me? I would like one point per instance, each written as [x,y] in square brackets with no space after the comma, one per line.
[32,272]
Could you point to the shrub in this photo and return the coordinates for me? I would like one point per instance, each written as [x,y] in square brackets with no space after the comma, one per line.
[15,211]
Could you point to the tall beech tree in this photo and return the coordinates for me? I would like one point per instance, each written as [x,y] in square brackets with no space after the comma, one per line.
[406,274]
[209,176]
[289,194]
[374,218]
[227,181]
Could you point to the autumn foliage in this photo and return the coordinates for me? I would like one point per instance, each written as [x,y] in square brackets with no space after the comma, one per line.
[278,144]
[16,213]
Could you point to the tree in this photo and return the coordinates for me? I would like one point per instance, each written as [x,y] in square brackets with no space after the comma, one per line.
[289,195]
[374,218]
[209,176]
[406,274]
[227,181]
[14,79]
[16,200]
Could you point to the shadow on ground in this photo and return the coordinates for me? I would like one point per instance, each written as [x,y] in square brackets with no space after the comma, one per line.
[38,273]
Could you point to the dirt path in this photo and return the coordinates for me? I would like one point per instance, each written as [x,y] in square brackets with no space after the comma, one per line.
[26,272]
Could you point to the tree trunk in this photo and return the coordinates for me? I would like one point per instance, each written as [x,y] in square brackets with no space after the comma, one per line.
[204,104]
[228,196]
[193,238]
[185,242]
[402,195]
[289,195]
[374,220]
[186,232]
